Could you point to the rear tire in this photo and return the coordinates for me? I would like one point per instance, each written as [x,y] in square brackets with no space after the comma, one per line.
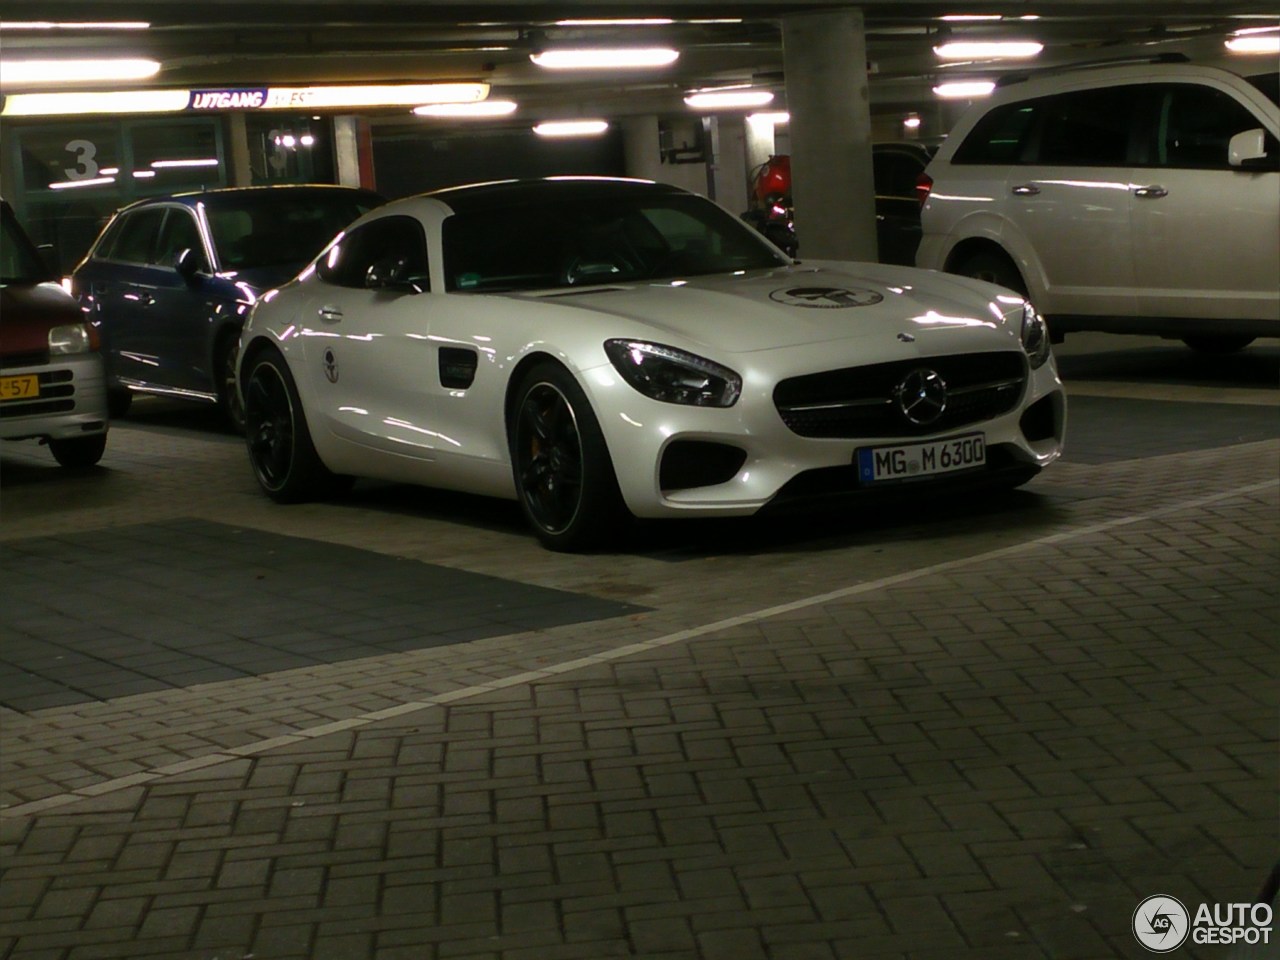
[283,457]
[563,473]
[1218,343]
[994,268]
[79,453]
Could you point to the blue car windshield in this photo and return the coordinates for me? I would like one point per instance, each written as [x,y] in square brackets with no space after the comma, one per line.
[280,229]
[581,241]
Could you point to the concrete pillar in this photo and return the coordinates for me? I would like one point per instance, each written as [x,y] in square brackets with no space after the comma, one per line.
[241,172]
[759,144]
[825,58]
[641,148]
[346,150]
[730,164]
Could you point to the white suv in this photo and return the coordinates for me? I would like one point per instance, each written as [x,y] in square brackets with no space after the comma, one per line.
[1136,198]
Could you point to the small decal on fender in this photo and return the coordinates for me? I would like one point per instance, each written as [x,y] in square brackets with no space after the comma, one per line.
[826,298]
[330,366]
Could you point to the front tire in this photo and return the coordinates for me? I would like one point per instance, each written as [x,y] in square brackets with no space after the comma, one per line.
[563,473]
[119,400]
[79,453]
[1218,343]
[283,457]
[994,268]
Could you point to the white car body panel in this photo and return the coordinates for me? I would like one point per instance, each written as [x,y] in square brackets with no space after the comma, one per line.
[387,414]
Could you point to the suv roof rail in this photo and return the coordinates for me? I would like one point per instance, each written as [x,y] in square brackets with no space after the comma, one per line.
[1022,77]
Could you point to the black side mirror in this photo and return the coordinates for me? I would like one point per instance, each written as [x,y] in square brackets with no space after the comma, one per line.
[187,263]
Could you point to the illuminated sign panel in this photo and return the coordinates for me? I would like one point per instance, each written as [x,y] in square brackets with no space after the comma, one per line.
[227,99]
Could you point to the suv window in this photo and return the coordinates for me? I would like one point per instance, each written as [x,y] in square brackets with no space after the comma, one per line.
[135,238]
[347,263]
[1195,124]
[1086,128]
[1000,136]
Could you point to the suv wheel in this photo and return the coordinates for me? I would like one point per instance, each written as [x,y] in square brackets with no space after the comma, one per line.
[993,268]
[1217,343]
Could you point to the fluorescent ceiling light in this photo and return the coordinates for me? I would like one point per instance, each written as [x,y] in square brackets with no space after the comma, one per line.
[87,25]
[485,108]
[605,59]
[964,89]
[637,22]
[16,72]
[143,174]
[76,184]
[970,17]
[772,119]
[911,123]
[713,99]
[976,50]
[571,128]
[105,102]
[201,162]
[1254,44]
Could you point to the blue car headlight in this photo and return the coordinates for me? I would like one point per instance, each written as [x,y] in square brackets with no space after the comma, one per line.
[1035,336]
[673,376]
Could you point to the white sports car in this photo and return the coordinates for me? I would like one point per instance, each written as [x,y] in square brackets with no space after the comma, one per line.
[592,347]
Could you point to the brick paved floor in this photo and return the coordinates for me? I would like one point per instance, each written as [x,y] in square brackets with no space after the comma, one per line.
[972,733]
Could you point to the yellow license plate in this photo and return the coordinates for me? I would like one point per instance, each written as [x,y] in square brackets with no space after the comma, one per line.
[19,388]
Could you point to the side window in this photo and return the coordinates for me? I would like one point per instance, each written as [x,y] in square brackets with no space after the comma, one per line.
[136,240]
[180,233]
[1001,136]
[389,238]
[1087,128]
[1195,125]
[895,175]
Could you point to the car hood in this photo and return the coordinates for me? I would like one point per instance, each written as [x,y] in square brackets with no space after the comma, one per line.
[29,311]
[797,306]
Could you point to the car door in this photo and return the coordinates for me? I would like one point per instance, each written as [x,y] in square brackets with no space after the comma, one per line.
[368,350]
[1069,198]
[180,313]
[1205,236]
[115,280]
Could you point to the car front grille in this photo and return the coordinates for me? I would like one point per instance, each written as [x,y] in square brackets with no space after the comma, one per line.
[36,358]
[859,401]
[57,395]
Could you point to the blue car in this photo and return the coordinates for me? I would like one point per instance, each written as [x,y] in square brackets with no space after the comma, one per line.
[170,280]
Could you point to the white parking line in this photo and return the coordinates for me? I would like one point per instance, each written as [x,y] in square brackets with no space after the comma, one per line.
[531,676]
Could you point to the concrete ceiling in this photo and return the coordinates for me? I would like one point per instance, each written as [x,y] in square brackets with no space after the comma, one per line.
[216,43]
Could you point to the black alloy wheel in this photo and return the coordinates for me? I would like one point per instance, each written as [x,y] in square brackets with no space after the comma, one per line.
[563,473]
[275,431]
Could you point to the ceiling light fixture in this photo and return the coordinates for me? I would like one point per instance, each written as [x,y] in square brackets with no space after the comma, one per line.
[484,108]
[978,50]
[195,162]
[964,89]
[88,25]
[911,123]
[636,22]
[571,128]
[1254,44]
[18,72]
[721,99]
[104,102]
[970,17]
[605,58]
[771,118]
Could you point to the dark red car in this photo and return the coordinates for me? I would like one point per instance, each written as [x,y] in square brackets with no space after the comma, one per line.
[52,386]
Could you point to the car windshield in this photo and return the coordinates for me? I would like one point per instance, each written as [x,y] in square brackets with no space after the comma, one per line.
[275,229]
[1268,83]
[19,261]
[579,241]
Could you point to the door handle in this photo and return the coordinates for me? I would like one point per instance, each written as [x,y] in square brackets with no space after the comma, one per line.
[331,314]
[1153,192]
[1025,190]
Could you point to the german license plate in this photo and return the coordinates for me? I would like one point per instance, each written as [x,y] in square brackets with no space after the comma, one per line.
[19,388]
[921,459]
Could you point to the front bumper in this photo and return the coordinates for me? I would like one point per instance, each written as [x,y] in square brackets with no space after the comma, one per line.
[776,465]
[72,400]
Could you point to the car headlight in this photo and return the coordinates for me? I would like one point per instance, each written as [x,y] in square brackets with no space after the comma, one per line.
[1035,336]
[72,338]
[673,376]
